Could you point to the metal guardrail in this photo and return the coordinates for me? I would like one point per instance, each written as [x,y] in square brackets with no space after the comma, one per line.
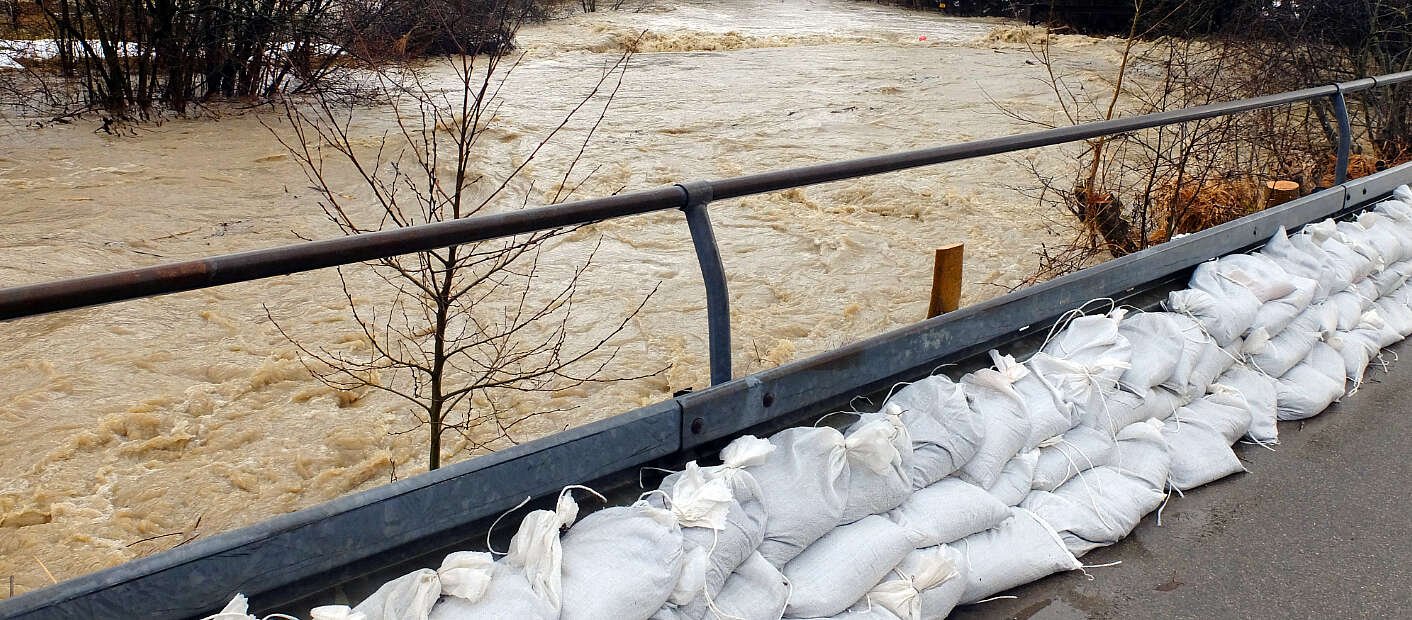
[291,555]
[691,197]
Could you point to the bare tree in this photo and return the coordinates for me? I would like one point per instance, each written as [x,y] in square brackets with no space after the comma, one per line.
[1129,191]
[469,325]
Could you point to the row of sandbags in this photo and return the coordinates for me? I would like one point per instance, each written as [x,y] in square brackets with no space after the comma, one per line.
[955,491]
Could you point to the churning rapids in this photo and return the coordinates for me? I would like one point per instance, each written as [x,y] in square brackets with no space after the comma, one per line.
[131,428]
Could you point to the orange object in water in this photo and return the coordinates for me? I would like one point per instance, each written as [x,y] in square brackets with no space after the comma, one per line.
[923,38]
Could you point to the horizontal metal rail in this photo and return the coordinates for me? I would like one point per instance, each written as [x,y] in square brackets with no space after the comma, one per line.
[35,299]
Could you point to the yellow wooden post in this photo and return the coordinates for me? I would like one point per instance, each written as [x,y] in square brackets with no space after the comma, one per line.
[946,280]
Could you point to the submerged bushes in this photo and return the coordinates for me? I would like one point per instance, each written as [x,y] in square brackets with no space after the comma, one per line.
[134,58]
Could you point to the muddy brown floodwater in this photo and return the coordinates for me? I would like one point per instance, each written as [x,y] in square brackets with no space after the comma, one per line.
[133,427]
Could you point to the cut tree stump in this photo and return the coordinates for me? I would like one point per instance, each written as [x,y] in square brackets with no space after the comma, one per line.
[1280,192]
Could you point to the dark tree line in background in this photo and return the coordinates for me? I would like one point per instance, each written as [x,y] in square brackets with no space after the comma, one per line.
[1281,44]
[134,58]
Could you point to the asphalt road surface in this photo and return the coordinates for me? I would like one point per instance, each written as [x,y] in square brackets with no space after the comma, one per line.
[1320,528]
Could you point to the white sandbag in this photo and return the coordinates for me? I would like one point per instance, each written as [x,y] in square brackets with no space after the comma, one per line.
[1395,315]
[1016,478]
[1403,295]
[1104,504]
[1208,311]
[838,569]
[1018,551]
[1005,421]
[409,597]
[621,562]
[1340,274]
[1393,277]
[1143,454]
[1079,449]
[330,612]
[1275,356]
[536,550]
[1381,250]
[1235,305]
[1084,362]
[237,609]
[1312,385]
[1262,276]
[1349,306]
[1119,409]
[1193,343]
[755,591]
[1275,315]
[927,585]
[1199,455]
[1151,335]
[1357,348]
[949,510]
[938,601]
[1367,291]
[804,487]
[1094,342]
[877,479]
[945,431]
[1096,509]
[1050,415]
[1301,262]
[1400,216]
[1384,224]
[861,611]
[507,594]
[465,574]
[744,526]
[1257,393]
[1210,363]
[1160,403]
[712,518]
[1223,411]
[1350,264]
[1378,330]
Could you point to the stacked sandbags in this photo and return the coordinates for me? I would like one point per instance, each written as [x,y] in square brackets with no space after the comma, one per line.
[1005,425]
[840,568]
[1021,549]
[722,517]
[1085,363]
[627,562]
[1199,436]
[955,491]
[1105,503]
[944,430]
[804,487]
[927,585]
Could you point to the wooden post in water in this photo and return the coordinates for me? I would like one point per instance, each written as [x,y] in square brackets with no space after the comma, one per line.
[1280,192]
[946,280]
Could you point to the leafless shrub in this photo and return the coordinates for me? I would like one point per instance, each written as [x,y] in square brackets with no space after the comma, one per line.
[469,327]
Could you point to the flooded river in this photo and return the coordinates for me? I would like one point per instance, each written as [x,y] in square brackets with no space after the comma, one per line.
[134,427]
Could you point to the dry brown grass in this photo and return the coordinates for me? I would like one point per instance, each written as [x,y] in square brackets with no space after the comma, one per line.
[1197,206]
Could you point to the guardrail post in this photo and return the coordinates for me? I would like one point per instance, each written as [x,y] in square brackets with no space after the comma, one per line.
[713,274]
[1345,136]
